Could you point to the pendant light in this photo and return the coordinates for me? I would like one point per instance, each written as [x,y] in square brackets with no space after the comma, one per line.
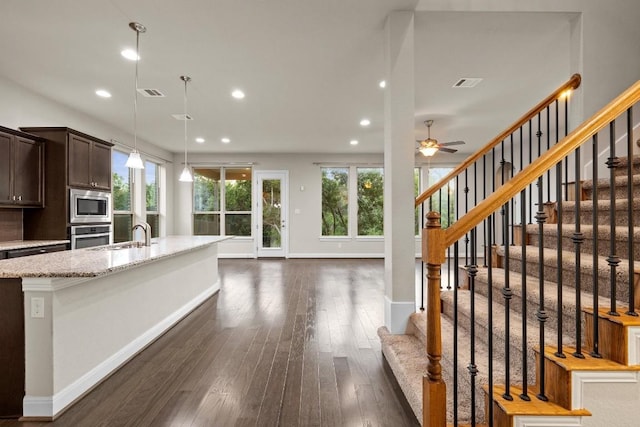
[134,161]
[185,176]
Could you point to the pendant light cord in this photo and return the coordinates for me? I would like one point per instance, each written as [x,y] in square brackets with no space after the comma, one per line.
[185,121]
[135,95]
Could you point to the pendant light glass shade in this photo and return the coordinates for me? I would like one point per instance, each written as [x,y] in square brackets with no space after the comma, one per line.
[185,176]
[134,161]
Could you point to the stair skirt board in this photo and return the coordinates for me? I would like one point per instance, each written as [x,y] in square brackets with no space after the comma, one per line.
[633,345]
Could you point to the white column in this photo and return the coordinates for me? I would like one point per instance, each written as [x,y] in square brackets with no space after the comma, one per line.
[399,150]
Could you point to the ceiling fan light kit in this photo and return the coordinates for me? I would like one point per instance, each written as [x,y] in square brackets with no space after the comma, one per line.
[430,146]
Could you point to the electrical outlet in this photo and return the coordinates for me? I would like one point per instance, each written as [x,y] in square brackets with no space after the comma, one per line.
[37,307]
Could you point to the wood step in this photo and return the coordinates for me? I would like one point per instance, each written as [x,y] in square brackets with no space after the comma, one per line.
[506,410]
[614,337]
[558,372]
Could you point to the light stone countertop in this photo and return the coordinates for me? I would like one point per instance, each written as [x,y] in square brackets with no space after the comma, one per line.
[96,261]
[25,244]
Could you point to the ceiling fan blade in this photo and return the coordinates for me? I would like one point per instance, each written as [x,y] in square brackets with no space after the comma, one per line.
[445,144]
[447,150]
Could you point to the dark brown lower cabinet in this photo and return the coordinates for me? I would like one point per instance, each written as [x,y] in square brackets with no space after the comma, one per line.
[11,348]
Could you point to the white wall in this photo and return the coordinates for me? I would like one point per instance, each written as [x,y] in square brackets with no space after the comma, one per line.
[20,107]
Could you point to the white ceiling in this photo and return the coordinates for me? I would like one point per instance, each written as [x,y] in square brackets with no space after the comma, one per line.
[310,68]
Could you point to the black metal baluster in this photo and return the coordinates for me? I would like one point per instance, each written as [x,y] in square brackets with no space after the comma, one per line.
[614,260]
[472,368]
[549,146]
[484,196]
[542,316]
[578,239]
[456,259]
[530,160]
[422,264]
[566,159]
[490,325]
[507,294]
[493,186]
[595,351]
[466,209]
[632,293]
[523,236]
[559,352]
[449,248]
[511,205]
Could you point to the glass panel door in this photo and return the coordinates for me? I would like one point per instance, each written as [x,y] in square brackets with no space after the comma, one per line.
[272,226]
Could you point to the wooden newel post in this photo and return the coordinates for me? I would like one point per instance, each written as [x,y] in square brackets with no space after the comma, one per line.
[434,395]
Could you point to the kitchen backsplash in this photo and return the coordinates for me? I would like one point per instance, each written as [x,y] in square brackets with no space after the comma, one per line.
[10,224]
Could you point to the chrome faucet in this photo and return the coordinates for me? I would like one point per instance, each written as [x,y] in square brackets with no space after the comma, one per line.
[146,228]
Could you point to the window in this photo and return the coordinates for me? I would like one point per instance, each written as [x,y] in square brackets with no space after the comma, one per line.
[443,201]
[370,201]
[237,201]
[211,215]
[151,179]
[335,196]
[122,198]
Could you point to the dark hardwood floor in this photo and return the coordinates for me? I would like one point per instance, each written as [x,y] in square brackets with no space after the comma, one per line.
[284,343]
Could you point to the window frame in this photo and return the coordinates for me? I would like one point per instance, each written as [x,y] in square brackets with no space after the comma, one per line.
[131,211]
[222,202]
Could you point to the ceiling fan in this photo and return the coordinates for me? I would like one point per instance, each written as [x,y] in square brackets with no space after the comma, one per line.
[430,146]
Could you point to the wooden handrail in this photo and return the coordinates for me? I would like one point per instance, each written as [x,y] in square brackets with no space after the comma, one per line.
[542,164]
[572,83]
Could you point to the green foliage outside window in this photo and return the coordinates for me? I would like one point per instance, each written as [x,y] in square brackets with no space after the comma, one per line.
[370,202]
[443,201]
[335,188]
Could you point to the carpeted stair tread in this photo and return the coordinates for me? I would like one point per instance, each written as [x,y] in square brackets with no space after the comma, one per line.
[533,297]
[408,361]
[550,233]
[619,187]
[482,362]
[604,208]
[568,264]
[481,309]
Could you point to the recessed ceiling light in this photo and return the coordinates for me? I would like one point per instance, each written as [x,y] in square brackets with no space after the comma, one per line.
[237,94]
[382,84]
[365,122]
[353,142]
[103,93]
[225,140]
[130,54]
[199,140]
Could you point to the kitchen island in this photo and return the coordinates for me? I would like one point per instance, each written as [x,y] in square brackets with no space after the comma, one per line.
[88,311]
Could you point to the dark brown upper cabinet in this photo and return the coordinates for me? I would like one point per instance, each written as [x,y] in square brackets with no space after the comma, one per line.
[89,163]
[21,169]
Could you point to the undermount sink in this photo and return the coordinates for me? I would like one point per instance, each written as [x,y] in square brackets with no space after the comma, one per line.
[123,245]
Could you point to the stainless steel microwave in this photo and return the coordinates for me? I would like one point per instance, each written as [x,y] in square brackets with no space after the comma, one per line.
[89,206]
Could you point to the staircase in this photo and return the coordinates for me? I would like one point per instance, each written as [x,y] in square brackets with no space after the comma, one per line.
[582,370]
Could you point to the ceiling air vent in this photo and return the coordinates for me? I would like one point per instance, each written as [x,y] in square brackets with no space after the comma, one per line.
[468,82]
[151,93]
[182,116]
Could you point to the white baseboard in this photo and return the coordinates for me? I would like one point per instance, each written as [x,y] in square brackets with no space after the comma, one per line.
[633,345]
[336,255]
[396,314]
[579,378]
[51,406]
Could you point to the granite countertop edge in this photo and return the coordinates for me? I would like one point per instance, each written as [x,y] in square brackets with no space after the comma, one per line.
[94,262]
[26,244]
